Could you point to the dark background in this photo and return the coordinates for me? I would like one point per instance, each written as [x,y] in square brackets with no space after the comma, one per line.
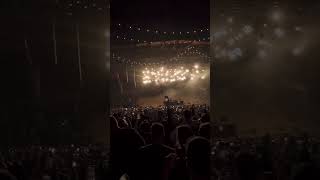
[279,94]
[168,14]
[43,102]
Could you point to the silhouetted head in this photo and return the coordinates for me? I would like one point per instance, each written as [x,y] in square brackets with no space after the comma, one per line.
[205,130]
[183,133]
[113,121]
[114,126]
[123,123]
[187,114]
[145,127]
[198,156]
[157,132]
[205,118]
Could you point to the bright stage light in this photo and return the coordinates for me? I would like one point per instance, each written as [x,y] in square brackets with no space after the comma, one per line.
[164,75]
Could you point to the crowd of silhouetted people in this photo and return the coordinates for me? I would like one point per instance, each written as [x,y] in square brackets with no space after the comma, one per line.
[269,157]
[71,162]
[161,143]
[167,143]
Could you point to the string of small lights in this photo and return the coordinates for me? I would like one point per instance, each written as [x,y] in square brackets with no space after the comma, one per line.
[139,28]
[174,43]
[139,40]
[72,6]
[189,51]
[139,34]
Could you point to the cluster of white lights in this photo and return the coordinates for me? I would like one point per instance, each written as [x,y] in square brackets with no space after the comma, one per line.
[164,75]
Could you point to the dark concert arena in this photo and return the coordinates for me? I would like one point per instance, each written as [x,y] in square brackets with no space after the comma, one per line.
[160,90]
